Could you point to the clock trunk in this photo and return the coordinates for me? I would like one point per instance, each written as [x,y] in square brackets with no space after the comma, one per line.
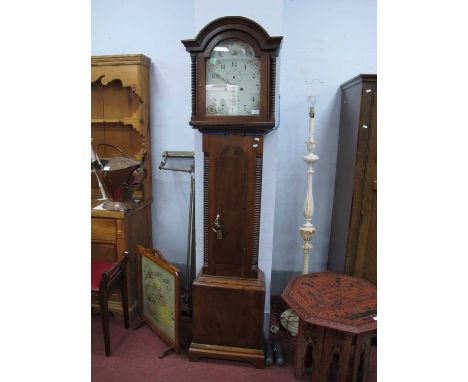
[232,191]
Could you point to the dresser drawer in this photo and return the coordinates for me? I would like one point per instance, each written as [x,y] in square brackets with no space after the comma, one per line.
[103,229]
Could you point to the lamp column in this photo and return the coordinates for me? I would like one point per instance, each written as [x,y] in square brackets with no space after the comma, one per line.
[307,229]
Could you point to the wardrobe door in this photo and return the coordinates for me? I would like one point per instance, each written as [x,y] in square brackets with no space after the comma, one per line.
[365,264]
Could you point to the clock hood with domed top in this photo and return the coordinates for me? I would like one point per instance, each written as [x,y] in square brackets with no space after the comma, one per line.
[233,76]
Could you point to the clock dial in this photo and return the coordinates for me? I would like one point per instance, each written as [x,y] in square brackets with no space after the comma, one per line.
[233,74]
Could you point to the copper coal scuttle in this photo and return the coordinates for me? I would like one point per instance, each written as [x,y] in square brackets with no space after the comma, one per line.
[118,178]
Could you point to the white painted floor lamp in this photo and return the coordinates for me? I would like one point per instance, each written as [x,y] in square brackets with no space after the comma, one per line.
[289,319]
[307,229]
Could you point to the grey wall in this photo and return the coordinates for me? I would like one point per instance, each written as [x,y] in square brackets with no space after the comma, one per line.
[325,43]
[155,29]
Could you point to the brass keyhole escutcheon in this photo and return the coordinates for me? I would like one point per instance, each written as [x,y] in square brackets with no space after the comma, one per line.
[217,227]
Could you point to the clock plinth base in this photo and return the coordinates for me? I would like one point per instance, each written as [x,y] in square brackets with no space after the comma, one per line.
[255,356]
[228,318]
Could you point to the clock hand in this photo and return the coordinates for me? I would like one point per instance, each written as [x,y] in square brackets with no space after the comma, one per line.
[216,74]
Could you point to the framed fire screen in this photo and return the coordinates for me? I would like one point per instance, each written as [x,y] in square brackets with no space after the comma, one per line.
[159,295]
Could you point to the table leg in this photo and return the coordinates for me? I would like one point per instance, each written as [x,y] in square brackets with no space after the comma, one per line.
[301,350]
[365,357]
[345,356]
[318,335]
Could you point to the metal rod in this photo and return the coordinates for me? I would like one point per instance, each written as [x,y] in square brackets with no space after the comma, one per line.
[190,256]
[189,170]
[189,241]
[178,154]
[109,145]
[192,241]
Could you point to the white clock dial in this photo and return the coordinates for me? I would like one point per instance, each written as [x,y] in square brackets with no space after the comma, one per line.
[233,75]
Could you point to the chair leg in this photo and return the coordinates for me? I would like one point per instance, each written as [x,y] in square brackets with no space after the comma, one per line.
[123,291]
[104,320]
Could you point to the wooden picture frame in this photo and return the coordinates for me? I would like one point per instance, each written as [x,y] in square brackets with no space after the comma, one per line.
[159,295]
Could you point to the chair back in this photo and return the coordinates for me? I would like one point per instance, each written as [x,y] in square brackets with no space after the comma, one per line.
[111,277]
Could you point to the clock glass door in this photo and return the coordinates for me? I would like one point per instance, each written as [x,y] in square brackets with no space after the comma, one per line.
[233,75]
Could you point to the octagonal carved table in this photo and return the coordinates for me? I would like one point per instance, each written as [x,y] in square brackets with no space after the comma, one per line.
[336,320]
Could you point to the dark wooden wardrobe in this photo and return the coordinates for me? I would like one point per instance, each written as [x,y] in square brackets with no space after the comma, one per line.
[353,240]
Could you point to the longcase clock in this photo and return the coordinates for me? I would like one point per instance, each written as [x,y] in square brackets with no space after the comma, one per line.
[233,105]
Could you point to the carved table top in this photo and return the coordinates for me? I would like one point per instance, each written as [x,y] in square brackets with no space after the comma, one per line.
[334,301]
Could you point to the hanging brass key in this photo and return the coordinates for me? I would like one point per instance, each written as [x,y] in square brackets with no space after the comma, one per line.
[217,228]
